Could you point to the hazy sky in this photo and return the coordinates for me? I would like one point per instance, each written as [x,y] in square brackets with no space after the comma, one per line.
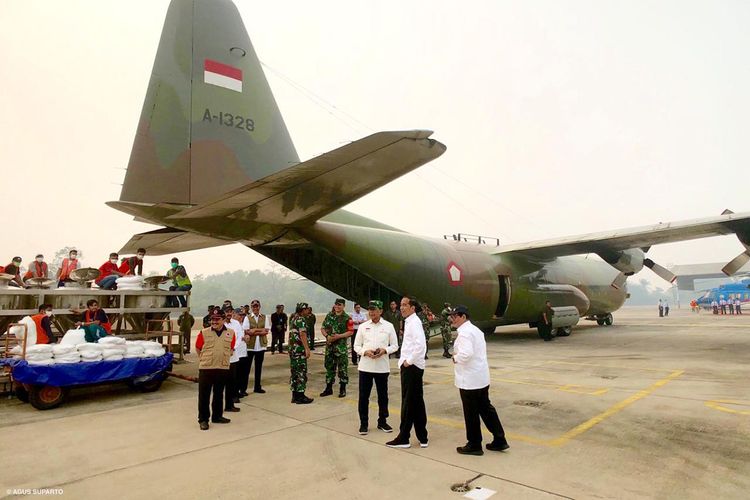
[560,117]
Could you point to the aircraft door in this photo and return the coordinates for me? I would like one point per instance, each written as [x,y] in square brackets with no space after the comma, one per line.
[504,296]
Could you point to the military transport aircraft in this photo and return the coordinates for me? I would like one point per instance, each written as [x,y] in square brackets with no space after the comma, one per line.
[210,123]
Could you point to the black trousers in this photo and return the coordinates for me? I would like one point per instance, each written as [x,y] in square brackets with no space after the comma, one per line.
[413,412]
[365,388]
[208,381]
[476,403]
[231,385]
[256,356]
[243,372]
[277,337]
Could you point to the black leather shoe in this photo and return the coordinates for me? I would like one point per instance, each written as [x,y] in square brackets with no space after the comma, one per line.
[204,426]
[222,420]
[259,391]
[498,445]
[244,394]
[470,450]
[342,390]
[235,400]
[327,391]
[233,409]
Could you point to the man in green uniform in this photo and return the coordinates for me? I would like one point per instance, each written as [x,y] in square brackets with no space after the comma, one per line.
[393,316]
[186,323]
[545,322]
[299,352]
[180,283]
[422,315]
[310,318]
[446,329]
[336,328]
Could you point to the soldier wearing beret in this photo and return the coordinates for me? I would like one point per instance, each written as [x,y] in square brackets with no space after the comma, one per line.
[337,327]
[299,352]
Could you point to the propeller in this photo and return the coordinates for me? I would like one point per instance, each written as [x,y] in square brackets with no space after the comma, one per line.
[619,281]
[660,271]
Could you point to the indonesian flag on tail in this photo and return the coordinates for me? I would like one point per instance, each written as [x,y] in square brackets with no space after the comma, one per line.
[222,75]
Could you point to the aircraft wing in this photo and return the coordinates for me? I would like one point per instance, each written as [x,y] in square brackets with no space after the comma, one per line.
[314,188]
[638,237]
[167,241]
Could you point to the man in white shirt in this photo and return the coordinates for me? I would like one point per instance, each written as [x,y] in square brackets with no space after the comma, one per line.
[375,341]
[473,381]
[358,317]
[411,362]
[230,394]
[257,331]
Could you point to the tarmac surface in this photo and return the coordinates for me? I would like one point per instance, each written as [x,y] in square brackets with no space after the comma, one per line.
[647,408]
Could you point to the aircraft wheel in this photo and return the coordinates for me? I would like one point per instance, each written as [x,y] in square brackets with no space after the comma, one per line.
[608,319]
[600,322]
[565,331]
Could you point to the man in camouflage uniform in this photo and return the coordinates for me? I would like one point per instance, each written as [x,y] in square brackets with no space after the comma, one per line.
[446,328]
[310,328]
[422,315]
[299,352]
[337,327]
[393,316]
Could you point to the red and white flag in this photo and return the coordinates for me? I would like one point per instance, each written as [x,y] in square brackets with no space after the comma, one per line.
[223,75]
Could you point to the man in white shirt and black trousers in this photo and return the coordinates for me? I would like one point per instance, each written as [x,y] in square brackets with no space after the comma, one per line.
[376,340]
[411,362]
[473,381]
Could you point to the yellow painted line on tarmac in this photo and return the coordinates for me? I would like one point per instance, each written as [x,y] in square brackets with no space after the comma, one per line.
[632,368]
[612,410]
[718,404]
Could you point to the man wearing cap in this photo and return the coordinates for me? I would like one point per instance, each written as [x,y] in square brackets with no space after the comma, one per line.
[412,364]
[472,377]
[375,341]
[180,283]
[299,353]
[214,346]
[14,268]
[336,327]
[278,328]
[257,340]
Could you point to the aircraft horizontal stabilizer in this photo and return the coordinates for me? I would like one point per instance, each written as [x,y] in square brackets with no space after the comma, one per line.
[314,188]
[167,241]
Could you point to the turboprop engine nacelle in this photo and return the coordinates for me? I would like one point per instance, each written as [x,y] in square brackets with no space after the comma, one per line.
[628,262]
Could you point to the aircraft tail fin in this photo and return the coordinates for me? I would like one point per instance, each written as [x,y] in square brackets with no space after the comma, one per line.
[209,121]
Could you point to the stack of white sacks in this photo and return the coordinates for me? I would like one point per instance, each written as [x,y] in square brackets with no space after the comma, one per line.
[130,283]
[74,349]
[37,355]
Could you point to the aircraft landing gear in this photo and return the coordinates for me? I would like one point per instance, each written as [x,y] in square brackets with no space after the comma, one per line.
[605,319]
[564,331]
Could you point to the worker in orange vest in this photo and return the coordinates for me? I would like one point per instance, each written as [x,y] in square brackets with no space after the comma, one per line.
[37,269]
[68,265]
[43,322]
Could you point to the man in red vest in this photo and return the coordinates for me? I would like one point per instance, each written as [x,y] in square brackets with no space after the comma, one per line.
[68,265]
[133,266]
[37,269]
[43,323]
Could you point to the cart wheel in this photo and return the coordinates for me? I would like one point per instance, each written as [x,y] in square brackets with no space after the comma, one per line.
[151,386]
[46,397]
[22,394]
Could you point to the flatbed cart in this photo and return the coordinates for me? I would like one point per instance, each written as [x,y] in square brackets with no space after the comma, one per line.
[46,387]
